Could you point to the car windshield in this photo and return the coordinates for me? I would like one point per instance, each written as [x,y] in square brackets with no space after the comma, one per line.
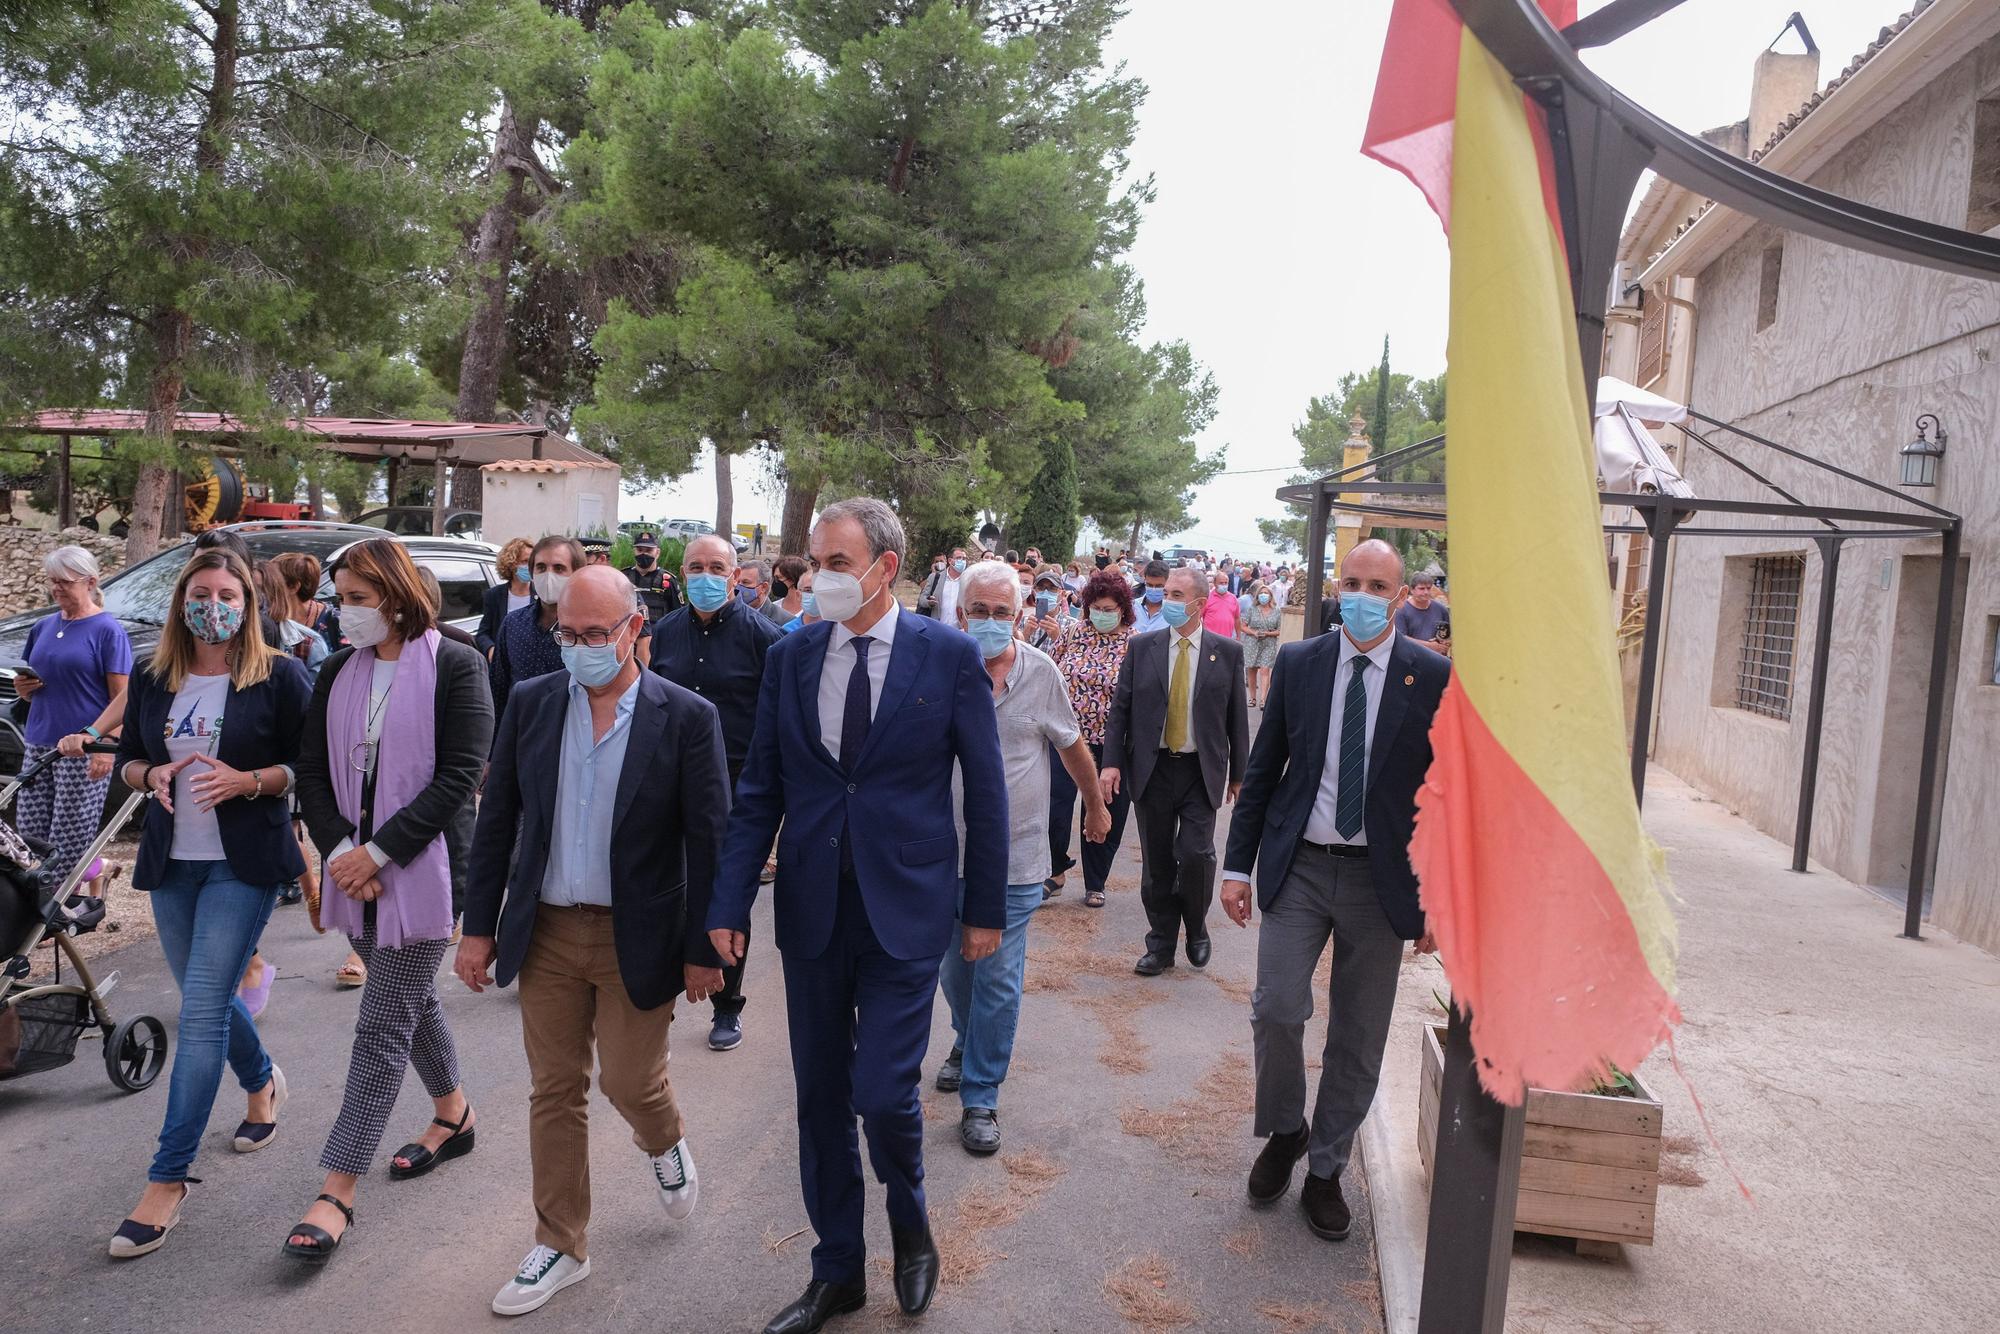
[146,590]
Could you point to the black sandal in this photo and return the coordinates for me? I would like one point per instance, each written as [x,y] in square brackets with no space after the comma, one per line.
[1051,888]
[1093,898]
[320,1244]
[422,1160]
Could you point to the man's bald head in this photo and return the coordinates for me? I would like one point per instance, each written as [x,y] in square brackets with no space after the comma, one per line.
[597,597]
[710,554]
[1373,567]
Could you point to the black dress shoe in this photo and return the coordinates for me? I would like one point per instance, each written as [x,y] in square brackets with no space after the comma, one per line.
[952,1073]
[1152,963]
[1271,1174]
[1197,952]
[821,1302]
[1326,1209]
[916,1268]
[979,1131]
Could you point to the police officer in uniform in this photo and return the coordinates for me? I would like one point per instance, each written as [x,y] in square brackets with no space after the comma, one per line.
[596,550]
[655,585]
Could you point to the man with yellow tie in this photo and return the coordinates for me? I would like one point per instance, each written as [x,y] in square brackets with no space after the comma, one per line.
[1179,726]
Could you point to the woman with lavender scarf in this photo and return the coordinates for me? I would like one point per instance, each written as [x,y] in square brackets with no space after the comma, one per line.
[394,747]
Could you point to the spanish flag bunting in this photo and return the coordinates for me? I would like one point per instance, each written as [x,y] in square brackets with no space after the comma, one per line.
[1545,896]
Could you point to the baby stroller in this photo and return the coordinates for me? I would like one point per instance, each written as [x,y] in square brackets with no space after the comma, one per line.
[41,1024]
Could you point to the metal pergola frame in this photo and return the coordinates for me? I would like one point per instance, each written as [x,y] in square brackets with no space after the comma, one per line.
[1602,143]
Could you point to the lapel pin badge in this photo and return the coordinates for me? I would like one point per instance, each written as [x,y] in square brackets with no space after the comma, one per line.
[1409,680]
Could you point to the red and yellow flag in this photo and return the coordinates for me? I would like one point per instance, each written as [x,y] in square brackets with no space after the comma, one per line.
[1545,895]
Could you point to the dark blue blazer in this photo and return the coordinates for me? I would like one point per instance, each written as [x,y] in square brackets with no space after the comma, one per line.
[936,707]
[672,803]
[262,726]
[1289,758]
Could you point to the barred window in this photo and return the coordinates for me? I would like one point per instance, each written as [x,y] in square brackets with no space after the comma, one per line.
[1770,636]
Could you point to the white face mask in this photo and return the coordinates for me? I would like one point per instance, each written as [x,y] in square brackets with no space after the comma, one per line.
[549,586]
[838,596]
[364,627]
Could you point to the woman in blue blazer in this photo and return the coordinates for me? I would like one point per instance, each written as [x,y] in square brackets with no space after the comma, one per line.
[216,845]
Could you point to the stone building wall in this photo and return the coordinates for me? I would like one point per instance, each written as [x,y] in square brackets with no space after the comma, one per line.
[23,586]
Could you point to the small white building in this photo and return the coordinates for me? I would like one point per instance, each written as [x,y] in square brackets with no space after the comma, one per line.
[533,498]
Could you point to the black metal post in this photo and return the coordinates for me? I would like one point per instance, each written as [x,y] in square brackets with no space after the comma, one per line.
[1659,528]
[1932,759]
[1475,1186]
[1829,575]
[65,495]
[1319,510]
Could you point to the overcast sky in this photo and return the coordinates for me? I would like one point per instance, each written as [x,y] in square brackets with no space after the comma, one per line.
[1280,253]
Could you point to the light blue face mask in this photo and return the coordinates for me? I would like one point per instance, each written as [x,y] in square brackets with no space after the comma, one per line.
[808,605]
[707,591]
[1364,615]
[1175,612]
[522,574]
[1106,621]
[592,667]
[993,636]
[1154,596]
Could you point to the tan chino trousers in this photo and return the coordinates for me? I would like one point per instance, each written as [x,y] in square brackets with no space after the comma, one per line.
[571,997]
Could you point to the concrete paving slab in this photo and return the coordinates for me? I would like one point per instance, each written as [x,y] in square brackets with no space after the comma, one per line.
[1848,1074]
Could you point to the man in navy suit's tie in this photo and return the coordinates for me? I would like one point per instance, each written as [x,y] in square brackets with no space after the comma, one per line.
[859,722]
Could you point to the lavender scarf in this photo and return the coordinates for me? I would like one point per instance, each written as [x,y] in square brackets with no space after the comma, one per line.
[416,899]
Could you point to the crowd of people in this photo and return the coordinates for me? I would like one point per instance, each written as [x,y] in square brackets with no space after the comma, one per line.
[914,783]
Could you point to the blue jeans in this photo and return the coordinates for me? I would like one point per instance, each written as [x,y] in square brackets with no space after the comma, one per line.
[985,999]
[209,923]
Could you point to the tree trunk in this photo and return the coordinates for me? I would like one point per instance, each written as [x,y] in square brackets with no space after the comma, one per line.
[493,248]
[173,329]
[725,495]
[1138,522]
[800,498]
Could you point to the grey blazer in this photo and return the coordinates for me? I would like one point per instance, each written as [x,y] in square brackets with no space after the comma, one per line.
[1139,712]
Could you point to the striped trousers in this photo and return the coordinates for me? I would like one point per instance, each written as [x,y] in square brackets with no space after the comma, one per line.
[400,1025]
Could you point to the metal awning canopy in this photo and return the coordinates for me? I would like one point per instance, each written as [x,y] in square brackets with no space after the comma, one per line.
[442,444]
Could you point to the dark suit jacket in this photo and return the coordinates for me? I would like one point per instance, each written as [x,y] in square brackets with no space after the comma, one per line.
[935,707]
[261,727]
[463,719]
[492,610]
[1289,760]
[663,847]
[1139,711]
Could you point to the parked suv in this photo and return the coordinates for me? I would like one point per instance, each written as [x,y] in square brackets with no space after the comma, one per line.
[687,529]
[140,595]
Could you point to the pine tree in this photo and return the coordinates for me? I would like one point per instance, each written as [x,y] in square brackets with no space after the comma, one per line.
[1048,520]
[195,194]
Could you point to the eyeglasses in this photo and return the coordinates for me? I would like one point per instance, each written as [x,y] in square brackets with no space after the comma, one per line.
[588,638]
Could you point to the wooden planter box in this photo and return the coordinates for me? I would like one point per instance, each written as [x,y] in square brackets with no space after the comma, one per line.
[1590,1164]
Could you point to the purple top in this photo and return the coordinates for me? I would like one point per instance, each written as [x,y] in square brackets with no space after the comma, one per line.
[73,658]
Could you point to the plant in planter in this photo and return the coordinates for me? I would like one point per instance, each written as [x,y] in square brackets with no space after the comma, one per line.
[1590,1162]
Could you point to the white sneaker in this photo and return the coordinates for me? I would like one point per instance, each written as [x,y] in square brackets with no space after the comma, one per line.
[543,1274]
[674,1177]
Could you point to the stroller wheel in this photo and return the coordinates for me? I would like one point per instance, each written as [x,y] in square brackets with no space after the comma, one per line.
[136,1052]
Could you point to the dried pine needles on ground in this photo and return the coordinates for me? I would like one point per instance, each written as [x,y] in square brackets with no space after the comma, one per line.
[1187,1127]
[1146,1292]
[964,1251]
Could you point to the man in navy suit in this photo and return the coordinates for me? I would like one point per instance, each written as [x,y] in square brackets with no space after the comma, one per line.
[860,720]
[1325,816]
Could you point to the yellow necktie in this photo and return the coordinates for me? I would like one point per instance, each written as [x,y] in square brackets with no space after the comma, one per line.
[1179,683]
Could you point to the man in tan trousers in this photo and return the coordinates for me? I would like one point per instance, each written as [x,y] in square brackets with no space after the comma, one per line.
[594,919]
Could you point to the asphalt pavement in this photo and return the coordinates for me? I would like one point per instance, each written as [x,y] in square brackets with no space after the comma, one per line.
[1117,1202]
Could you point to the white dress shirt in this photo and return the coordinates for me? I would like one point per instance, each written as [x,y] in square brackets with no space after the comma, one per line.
[948,598]
[839,666]
[1190,634]
[1320,826]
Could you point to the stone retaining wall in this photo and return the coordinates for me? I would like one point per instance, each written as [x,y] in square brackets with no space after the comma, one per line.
[23,586]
